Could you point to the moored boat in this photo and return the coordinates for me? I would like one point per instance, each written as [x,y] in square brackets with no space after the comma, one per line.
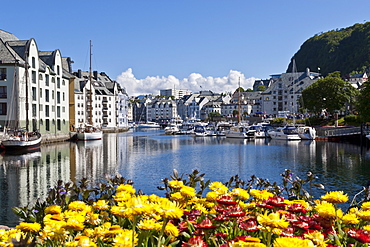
[240,132]
[285,132]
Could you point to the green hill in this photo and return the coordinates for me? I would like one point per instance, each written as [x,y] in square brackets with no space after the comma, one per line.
[344,50]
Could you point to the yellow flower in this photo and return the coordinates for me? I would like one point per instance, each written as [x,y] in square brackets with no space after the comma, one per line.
[218,187]
[148,224]
[126,188]
[316,237]
[124,239]
[272,220]
[84,241]
[54,232]
[122,196]
[187,192]
[261,194]
[74,224]
[212,196]
[176,184]
[366,228]
[246,244]
[335,197]
[240,193]
[29,227]
[326,210]
[289,242]
[177,197]
[170,210]
[364,215]
[172,230]
[53,209]
[79,206]
[350,219]
[101,205]
[93,219]
[365,206]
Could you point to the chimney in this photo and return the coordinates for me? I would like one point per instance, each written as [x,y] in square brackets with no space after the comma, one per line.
[95,75]
[79,73]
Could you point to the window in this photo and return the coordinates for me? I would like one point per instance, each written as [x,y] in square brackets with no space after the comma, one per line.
[58,97]
[47,95]
[47,80]
[33,62]
[33,76]
[63,82]
[58,82]
[52,94]
[59,124]
[47,127]
[34,110]
[3,93]
[41,107]
[3,109]
[64,97]
[58,70]
[47,112]
[58,111]
[34,96]
[40,93]
[3,74]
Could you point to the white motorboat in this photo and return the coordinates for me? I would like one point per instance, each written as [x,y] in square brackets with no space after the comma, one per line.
[172,129]
[148,125]
[306,132]
[284,133]
[240,132]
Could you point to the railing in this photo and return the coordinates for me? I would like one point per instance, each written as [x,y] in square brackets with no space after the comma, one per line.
[343,132]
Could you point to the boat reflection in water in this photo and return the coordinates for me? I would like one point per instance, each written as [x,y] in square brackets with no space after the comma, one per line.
[147,157]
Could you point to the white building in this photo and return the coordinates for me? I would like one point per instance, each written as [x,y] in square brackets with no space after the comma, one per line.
[285,90]
[161,110]
[176,93]
[103,102]
[47,93]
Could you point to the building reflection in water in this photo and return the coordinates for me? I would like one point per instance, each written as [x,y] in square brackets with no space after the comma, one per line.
[147,158]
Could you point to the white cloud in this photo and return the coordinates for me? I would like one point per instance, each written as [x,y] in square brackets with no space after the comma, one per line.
[194,82]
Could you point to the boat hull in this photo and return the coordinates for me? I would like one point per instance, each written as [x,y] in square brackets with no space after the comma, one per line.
[18,145]
[89,136]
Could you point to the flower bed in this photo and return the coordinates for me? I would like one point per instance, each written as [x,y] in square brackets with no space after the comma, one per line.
[235,213]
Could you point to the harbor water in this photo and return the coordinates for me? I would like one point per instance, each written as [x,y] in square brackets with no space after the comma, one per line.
[146,156]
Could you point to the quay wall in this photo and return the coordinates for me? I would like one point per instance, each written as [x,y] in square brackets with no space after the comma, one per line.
[60,137]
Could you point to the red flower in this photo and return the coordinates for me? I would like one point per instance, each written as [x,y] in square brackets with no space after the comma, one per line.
[264,205]
[195,242]
[234,212]
[220,208]
[288,232]
[276,201]
[205,224]
[222,217]
[226,200]
[297,208]
[249,225]
[360,235]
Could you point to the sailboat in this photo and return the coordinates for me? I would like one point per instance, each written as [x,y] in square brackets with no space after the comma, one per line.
[87,131]
[16,138]
[240,131]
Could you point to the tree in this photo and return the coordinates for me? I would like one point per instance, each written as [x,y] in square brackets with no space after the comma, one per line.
[239,88]
[261,88]
[330,93]
[363,102]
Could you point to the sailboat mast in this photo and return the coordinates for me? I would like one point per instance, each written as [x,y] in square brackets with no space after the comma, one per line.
[239,108]
[90,79]
[27,105]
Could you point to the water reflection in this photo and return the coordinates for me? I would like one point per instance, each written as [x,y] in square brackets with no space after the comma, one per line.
[147,156]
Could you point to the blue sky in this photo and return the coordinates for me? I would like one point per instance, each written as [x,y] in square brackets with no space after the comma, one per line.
[185,44]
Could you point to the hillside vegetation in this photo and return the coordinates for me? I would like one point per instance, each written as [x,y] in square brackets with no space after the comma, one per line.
[344,50]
